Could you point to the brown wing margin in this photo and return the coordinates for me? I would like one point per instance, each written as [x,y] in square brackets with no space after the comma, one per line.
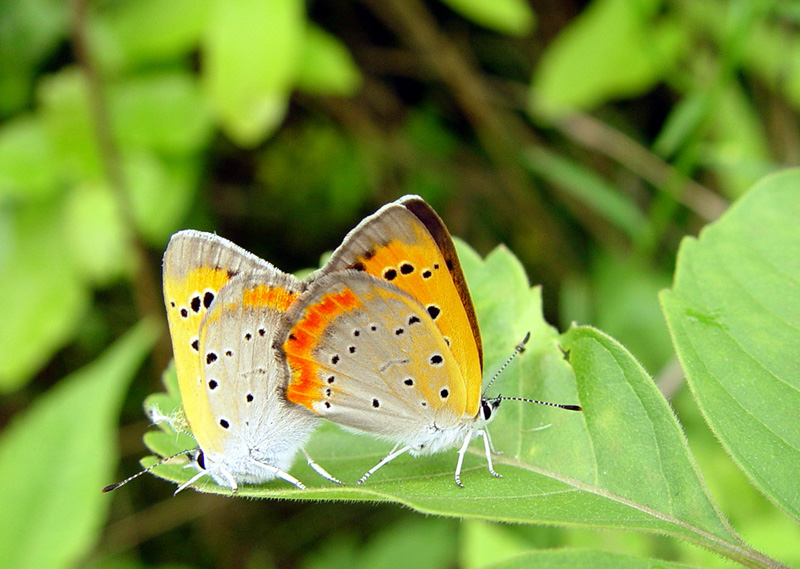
[435,226]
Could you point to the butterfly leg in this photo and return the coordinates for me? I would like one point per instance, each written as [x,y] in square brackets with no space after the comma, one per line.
[280,474]
[192,480]
[321,471]
[461,452]
[487,443]
[390,457]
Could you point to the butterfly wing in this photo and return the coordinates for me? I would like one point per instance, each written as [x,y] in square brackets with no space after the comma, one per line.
[365,354]
[242,380]
[406,244]
[197,266]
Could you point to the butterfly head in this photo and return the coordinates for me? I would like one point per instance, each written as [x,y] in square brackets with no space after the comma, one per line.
[488,408]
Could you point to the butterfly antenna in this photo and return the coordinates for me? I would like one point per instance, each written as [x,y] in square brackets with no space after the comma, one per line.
[111,487]
[526,400]
[517,351]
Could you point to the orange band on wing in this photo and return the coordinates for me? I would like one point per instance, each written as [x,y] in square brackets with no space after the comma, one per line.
[271,297]
[304,386]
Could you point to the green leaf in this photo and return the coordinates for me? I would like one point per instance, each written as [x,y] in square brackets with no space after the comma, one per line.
[683,126]
[512,17]
[31,31]
[69,433]
[734,318]
[65,111]
[94,231]
[161,112]
[640,457]
[569,559]
[160,191]
[326,66]
[623,463]
[250,56]
[44,298]
[613,49]
[126,35]
[27,164]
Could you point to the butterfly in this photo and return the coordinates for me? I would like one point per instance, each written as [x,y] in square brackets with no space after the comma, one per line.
[223,308]
[386,340]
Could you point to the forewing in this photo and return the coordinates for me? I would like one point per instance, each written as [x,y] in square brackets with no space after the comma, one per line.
[196,267]
[406,244]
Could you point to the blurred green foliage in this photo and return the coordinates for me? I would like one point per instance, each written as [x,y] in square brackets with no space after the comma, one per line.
[589,137]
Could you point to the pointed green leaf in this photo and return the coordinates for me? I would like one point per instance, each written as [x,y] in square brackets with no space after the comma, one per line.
[162,112]
[27,163]
[250,56]
[70,433]
[734,315]
[95,233]
[31,31]
[128,35]
[44,297]
[325,66]
[614,48]
[512,17]
[67,117]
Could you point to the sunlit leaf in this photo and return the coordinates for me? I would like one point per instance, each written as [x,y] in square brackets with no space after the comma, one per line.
[613,49]
[250,56]
[64,101]
[325,66]
[31,30]
[94,230]
[70,434]
[128,35]
[512,17]
[44,296]
[27,164]
[160,112]
[734,317]
[160,191]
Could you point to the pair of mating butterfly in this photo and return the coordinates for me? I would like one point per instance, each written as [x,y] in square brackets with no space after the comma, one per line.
[383,339]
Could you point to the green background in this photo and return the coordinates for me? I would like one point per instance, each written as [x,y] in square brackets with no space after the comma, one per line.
[634,158]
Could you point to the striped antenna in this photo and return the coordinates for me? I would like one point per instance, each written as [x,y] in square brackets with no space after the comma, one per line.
[517,351]
[526,400]
[111,487]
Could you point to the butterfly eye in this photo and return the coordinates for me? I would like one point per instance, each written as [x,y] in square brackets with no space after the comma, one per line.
[488,407]
[200,459]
